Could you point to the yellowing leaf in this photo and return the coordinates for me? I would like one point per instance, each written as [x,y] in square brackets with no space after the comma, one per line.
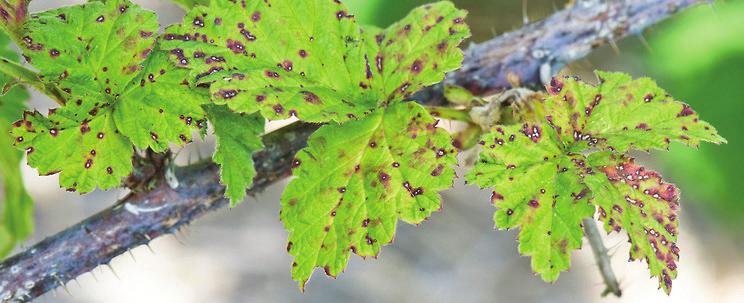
[622,114]
[529,164]
[354,181]
[641,202]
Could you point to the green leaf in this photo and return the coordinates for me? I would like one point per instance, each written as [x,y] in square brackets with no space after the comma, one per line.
[310,59]
[623,114]
[120,93]
[86,154]
[538,189]
[158,108]
[354,181]
[16,223]
[238,137]
[541,174]
[640,201]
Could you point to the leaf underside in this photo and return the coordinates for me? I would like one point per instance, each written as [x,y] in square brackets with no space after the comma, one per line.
[545,173]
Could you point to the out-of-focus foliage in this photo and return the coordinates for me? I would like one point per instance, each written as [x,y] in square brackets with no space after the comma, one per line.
[699,57]
[16,206]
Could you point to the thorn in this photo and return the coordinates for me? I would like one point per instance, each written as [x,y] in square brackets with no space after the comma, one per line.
[131,254]
[645,42]
[614,45]
[525,16]
[555,7]
[78,283]
[178,239]
[113,271]
[93,273]
[62,284]
[199,154]
[150,248]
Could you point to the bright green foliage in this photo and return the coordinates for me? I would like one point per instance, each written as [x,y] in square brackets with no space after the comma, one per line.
[537,189]
[541,175]
[238,137]
[310,59]
[623,114]
[354,181]
[119,94]
[16,222]
[158,108]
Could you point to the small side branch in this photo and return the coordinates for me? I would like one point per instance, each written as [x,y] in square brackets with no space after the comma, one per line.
[603,259]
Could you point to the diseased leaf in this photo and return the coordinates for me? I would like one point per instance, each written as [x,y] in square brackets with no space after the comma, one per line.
[641,202]
[158,108]
[86,154]
[16,223]
[623,114]
[238,137]
[354,181]
[326,69]
[119,94]
[523,163]
[418,50]
[537,188]
[95,50]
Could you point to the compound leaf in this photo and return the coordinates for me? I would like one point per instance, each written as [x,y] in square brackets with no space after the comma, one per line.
[326,69]
[354,181]
[238,137]
[623,114]
[118,93]
[641,202]
[537,188]
[603,122]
